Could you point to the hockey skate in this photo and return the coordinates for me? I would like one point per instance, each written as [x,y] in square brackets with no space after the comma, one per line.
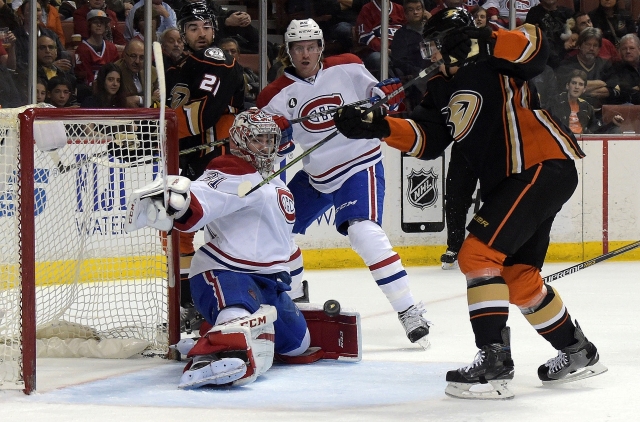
[575,362]
[211,370]
[487,376]
[449,260]
[415,325]
[190,319]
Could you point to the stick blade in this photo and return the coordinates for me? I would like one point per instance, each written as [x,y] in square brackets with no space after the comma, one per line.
[244,188]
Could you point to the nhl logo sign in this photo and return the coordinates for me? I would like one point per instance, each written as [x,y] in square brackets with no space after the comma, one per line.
[422,190]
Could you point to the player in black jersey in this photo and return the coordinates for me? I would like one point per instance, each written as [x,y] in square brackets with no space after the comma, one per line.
[525,160]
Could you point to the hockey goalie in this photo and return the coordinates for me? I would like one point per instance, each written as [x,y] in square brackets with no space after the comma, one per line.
[239,277]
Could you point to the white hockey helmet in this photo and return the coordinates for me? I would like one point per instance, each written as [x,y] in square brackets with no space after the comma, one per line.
[303,30]
[255,128]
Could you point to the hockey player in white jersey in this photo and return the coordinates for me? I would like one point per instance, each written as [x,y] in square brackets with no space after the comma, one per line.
[238,278]
[343,174]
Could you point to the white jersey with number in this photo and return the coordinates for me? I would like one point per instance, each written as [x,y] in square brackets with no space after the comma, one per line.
[341,80]
[250,234]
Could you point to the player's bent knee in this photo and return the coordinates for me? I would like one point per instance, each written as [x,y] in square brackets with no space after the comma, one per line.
[526,288]
[369,241]
[476,255]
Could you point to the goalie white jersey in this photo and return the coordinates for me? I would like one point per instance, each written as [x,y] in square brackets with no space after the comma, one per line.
[250,234]
[341,80]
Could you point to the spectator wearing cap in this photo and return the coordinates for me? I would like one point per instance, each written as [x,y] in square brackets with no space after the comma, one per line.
[94,51]
[81,26]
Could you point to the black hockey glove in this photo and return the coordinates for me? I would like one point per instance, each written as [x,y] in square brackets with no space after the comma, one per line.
[362,123]
[456,44]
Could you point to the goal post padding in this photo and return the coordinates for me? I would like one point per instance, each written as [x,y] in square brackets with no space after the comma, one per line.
[69,274]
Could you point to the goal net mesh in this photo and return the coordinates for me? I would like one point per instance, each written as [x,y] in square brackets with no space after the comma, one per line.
[99,291]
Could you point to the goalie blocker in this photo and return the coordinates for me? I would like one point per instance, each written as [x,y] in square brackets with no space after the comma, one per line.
[237,352]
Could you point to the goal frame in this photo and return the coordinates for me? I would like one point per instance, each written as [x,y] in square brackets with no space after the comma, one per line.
[27,224]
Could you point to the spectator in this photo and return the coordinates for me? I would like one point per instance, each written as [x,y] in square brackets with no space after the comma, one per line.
[172,46]
[48,67]
[167,18]
[131,64]
[598,69]
[8,18]
[251,79]
[41,90]
[498,11]
[480,17]
[368,24]
[612,21]
[551,19]
[81,26]
[608,51]
[95,51]
[405,54]
[59,92]
[626,73]
[448,4]
[107,89]
[339,23]
[139,24]
[51,19]
[576,113]
[10,96]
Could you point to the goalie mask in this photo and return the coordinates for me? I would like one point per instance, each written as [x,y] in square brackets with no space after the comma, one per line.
[256,137]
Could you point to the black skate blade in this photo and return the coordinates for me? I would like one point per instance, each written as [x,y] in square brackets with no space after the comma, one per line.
[493,390]
[587,372]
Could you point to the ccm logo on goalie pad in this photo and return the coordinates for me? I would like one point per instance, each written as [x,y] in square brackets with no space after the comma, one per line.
[320,123]
[286,205]
[255,322]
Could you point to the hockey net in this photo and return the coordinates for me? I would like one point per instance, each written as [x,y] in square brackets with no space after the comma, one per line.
[73,283]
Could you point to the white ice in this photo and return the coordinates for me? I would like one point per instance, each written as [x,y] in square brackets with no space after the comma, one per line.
[396,380]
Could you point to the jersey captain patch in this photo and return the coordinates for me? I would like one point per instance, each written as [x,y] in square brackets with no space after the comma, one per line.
[322,122]
[286,205]
[462,112]
[215,53]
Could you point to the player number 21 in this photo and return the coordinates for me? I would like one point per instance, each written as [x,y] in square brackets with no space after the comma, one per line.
[210,83]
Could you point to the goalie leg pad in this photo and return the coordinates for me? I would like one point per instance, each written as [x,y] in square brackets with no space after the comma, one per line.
[249,339]
[339,336]
[212,372]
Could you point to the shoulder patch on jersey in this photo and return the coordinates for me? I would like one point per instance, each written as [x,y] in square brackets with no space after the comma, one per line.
[286,205]
[346,58]
[215,53]
[230,164]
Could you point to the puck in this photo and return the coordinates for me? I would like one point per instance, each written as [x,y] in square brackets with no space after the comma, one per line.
[331,307]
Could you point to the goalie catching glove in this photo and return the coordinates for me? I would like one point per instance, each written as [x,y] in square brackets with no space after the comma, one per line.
[362,123]
[145,207]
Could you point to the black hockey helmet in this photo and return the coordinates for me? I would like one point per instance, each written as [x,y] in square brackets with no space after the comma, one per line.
[444,21]
[195,11]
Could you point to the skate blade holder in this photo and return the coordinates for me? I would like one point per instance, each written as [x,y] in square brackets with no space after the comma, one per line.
[492,390]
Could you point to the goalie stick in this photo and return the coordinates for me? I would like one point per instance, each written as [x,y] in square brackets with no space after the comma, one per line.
[245,187]
[590,262]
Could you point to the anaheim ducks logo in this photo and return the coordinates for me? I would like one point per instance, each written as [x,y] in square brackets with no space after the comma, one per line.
[322,122]
[286,205]
[179,95]
[463,110]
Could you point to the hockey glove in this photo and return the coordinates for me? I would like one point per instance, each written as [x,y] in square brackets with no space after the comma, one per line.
[362,123]
[456,44]
[386,88]
[145,207]
[285,129]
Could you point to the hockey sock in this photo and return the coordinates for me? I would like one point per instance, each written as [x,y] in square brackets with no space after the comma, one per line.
[551,320]
[296,271]
[488,299]
[186,301]
[372,244]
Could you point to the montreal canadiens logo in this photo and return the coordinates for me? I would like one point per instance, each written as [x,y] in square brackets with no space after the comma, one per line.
[321,122]
[285,202]
[422,191]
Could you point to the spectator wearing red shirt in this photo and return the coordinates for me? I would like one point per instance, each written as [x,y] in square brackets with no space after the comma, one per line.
[95,51]
[81,26]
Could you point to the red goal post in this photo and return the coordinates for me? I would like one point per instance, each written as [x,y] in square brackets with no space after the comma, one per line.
[69,273]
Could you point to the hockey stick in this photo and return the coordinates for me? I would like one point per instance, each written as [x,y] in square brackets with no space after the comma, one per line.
[585,264]
[245,188]
[412,82]
[157,55]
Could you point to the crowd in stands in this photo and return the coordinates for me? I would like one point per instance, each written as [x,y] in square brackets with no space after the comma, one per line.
[597,49]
